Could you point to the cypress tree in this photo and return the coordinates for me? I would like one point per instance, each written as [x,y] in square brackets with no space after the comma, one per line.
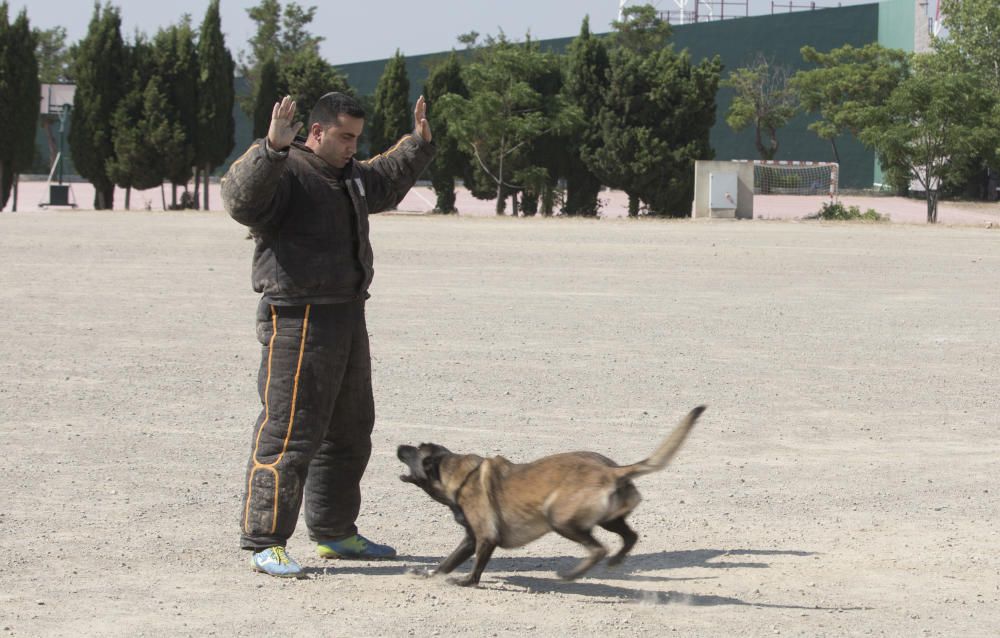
[265,97]
[19,91]
[392,116]
[307,77]
[99,69]
[216,129]
[177,67]
[144,146]
[655,117]
[449,161]
[586,81]
[123,167]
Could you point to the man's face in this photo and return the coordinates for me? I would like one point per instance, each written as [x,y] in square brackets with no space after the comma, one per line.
[336,143]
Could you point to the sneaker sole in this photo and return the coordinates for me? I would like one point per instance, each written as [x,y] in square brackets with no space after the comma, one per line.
[336,556]
[261,570]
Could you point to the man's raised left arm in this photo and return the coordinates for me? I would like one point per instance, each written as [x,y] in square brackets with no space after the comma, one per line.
[391,174]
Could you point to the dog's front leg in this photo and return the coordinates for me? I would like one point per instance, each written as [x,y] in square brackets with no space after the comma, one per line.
[461,554]
[484,550]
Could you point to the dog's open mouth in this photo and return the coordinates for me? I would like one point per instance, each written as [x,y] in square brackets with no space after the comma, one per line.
[408,455]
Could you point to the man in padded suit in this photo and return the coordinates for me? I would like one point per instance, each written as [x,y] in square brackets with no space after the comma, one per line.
[307,203]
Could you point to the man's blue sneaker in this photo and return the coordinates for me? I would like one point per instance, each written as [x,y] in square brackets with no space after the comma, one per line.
[276,562]
[356,546]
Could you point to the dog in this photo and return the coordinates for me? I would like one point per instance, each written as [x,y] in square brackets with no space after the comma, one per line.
[504,504]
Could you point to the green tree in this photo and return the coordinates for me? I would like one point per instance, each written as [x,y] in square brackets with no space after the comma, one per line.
[973,43]
[177,66]
[844,84]
[283,37]
[932,124]
[308,77]
[295,37]
[99,67]
[586,81]
[548,154]
[655,117]
[216,128]
[504,115]
[125,165]
[449,162]
[392,116]
[54,61]
[266,94]
[144,145]
[762,99]
[974,29]
[19,91]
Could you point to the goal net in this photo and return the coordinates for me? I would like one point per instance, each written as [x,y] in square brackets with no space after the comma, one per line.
[774,177]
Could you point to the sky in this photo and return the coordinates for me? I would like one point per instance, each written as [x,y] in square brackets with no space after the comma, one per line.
[356,31]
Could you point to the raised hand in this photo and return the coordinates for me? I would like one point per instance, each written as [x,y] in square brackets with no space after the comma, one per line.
[423,127]
[282,130]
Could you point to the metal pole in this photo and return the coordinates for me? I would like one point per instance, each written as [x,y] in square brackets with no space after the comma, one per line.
[63,115]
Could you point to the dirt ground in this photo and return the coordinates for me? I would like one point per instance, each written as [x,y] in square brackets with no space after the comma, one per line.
[842,482]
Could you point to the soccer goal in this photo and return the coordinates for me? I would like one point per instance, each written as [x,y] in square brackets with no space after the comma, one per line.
[775,177]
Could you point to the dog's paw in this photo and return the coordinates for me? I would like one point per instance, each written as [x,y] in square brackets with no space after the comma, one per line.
[468,581]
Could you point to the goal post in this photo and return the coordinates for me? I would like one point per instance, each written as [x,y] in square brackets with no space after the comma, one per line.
[779,177]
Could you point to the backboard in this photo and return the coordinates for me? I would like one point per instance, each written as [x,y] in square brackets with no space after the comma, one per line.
[54,96]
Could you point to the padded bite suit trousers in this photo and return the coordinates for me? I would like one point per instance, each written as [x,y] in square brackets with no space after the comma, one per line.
[313,436]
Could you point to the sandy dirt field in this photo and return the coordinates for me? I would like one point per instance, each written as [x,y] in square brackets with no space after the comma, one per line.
[843,481]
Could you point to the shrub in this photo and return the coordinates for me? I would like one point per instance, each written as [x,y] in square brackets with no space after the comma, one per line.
[837,211]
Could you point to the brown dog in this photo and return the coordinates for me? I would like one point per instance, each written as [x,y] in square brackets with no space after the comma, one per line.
[504,504]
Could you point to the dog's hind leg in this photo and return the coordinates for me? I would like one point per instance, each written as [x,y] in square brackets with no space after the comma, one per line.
[585,538]
[629,538]
[461,554]
[484,550]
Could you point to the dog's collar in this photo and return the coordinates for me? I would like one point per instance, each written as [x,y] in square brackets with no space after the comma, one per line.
[461,486]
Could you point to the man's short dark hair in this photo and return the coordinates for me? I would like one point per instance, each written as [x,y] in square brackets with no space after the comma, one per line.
[331,106]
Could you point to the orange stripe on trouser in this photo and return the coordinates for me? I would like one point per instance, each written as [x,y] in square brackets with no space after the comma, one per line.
[270,467]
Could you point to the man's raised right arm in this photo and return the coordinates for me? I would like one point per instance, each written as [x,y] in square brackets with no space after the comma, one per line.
[253,189]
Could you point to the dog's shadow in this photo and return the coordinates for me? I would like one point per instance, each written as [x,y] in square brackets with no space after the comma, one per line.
[636,568]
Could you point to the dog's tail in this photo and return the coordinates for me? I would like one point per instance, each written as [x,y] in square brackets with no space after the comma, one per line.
[666,451]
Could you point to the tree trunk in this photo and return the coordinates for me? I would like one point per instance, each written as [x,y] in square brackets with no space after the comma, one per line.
[513,203]
[197,187]
[17,178]
[633,205]
[931,207]
[444,188]
[163,196]
[104,196]
[128,198]
[500,196]
[173,195]
[773,150]
[548,200]
[208,173]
